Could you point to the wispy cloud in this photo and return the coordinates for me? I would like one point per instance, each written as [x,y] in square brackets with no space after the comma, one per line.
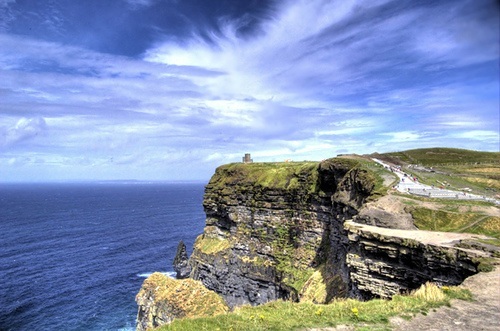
[313,79]
[24,129]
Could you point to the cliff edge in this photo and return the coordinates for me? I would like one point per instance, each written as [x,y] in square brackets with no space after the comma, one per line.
[294,231]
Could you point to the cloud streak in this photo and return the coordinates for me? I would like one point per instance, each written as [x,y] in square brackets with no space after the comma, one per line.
[310,79]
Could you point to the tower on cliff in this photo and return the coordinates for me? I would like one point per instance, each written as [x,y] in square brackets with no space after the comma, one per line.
[247,158]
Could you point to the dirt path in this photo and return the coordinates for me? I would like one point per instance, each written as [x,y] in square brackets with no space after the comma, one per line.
[481,314]
[468,226]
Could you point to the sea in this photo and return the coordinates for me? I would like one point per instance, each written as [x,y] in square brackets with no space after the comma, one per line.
[74,255]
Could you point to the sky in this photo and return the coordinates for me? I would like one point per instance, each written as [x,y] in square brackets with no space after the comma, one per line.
[171,89]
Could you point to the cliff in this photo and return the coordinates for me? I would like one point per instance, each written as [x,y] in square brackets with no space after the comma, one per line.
[384,262]
[284,231]
[270,226]
[161,299]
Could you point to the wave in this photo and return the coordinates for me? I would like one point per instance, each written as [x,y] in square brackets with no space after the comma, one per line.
[170,274]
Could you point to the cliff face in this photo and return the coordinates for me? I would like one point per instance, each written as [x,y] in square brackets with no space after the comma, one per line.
[385,262]
[271,226]
[163,299]
[284,231]
[276,231]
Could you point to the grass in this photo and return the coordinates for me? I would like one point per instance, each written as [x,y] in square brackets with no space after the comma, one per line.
[444,156]
[182,296]
[284,315]
[279,175]
[447,221]
[452,168]
[301,178]
[379,173]
[208,245]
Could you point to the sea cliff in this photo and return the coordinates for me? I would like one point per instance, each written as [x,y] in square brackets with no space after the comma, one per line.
[285,231]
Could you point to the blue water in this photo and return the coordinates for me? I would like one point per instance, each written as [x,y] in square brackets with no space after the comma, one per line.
[73,256]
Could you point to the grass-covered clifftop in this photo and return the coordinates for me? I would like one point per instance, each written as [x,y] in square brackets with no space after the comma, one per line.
[305,178]
[453,168]
[277,175]
[283,315]
[267,224]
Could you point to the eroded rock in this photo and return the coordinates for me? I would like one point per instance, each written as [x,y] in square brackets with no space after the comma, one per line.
[181,262]
[163,299]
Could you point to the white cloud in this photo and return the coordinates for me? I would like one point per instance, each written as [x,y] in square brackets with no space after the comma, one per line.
[403,136]
[139,3]
[24,129]
[492,136]
[317,78]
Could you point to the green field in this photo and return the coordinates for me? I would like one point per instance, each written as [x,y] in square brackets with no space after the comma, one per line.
[455,169]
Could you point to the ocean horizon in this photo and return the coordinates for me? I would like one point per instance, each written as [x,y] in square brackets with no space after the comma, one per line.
[74,254]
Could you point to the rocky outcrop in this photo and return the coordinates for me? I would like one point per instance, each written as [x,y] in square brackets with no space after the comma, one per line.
[284,231]
[163,299]
[181,262]
[269,227]
[384,262]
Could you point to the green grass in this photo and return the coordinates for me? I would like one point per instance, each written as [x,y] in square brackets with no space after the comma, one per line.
[444,156]
[284,315]
[208,245]
[442,220]
[279,175]
[378,172]
[452,168]
[299,177]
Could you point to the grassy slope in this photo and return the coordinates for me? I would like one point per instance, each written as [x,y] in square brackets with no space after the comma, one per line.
[282,315]
[453,168]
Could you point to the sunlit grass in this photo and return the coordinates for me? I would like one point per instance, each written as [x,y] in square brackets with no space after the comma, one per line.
[284,315]
[470,222]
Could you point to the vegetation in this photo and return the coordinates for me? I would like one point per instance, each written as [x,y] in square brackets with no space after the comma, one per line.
[443,156]
[279,175]
[284,315]
[456,169]
[299,177]
[208,245]
[442,220]
[383,179]
[453,168]
[183,296]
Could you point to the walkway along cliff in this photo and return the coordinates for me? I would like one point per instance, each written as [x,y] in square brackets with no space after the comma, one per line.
[294,231]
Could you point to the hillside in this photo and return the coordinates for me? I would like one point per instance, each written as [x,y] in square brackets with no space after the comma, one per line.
[457,169]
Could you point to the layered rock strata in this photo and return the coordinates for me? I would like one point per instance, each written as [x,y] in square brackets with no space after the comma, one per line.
[269,227]
[284,231]
[181,262]
[384,262]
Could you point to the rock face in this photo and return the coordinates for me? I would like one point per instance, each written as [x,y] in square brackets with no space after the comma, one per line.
[276,231]
[385,262]
[163,299]
[283,231]
[269,227]
[181,262]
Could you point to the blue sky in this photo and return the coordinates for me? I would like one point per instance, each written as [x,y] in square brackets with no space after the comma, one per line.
[169,90]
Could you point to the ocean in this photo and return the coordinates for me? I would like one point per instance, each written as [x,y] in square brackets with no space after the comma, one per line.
[73,256]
